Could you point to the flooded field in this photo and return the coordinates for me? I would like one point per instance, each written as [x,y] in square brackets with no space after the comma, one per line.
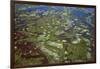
[46,34]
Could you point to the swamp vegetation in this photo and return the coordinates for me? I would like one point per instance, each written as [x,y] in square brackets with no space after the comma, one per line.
[53,34]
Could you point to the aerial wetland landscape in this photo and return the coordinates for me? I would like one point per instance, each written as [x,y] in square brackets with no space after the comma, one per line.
[47,34]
